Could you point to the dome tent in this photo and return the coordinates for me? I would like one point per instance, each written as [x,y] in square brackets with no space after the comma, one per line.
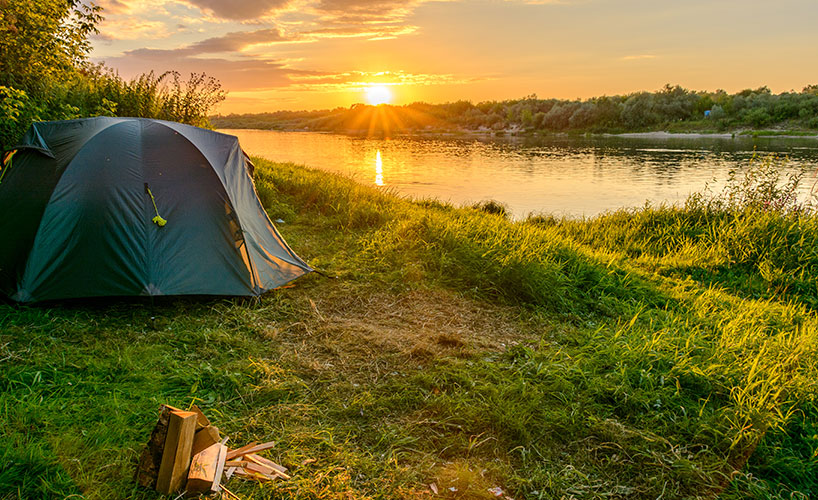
[135,207]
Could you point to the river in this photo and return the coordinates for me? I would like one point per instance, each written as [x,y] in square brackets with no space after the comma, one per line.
[567,176]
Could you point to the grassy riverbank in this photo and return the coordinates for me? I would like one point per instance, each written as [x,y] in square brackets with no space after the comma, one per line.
[657,353]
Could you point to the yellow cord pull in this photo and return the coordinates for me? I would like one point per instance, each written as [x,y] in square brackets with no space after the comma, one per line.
[158,220]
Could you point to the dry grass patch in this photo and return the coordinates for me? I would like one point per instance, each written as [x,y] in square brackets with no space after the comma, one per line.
[372,331]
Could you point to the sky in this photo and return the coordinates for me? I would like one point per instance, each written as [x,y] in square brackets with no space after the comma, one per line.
[275,55]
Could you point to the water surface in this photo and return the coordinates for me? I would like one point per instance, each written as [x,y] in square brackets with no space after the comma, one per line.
[573,176]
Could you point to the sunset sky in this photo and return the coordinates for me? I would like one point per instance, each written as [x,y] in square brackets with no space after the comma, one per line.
[317,54]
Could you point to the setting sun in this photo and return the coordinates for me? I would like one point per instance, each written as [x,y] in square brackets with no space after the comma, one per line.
[378,94]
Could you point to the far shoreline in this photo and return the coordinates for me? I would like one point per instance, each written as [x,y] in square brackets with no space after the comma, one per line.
[704,135]
[512,134]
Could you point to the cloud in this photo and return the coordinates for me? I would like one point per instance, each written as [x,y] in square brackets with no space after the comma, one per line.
[114,6]
[120,29]
[371,32]
[347,11]
[236,41]
[543,2]
[327,11]
[118,7]
[246,74]
[240,9]
[316,19]
[638,57]
[231,42]
[240,74]
[359,80]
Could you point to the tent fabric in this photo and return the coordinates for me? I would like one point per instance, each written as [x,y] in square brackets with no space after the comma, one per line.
[76,214]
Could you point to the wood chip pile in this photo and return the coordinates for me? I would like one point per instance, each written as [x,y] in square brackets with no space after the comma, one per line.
[186,454]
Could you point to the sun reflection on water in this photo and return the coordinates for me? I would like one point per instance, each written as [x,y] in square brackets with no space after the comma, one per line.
[378,169]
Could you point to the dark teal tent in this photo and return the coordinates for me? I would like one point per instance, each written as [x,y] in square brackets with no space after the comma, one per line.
[132,206]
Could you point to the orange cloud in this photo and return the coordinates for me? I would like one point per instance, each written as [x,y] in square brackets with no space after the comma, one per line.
[366,31]
[240,9]
[366,11]
[240,74]
[638,57]
[237,41]
[129,30]
[359,80]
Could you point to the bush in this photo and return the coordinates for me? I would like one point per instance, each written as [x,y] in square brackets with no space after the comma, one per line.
[758,117]
[45,74]
[492,207]
[758,188]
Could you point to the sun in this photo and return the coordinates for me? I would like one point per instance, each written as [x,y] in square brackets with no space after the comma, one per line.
[378,94]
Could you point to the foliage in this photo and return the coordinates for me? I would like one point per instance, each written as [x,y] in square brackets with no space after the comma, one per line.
[44,41]
[177,100]
[757,188]
[45,74]
[492,207]
[670,108]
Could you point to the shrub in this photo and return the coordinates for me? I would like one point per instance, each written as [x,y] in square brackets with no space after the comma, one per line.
[492,207]
[758,188]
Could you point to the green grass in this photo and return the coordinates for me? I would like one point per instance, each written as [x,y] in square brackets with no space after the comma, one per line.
[772,133]
[664,352]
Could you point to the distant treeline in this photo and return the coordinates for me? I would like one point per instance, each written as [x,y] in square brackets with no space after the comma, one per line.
[45,73]
[672,108]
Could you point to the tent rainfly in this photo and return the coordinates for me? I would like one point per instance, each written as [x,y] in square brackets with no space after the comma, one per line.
[134,207]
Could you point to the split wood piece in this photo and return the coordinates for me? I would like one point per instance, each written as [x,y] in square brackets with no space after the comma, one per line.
[272,467]
[176,456]
[205,472]
[267,462]
[264,470]
[205,438]
[250,448]
[217,483]
[236,463]
[228,473]
[252,475]
[231,454]
[151,458]
[201,419]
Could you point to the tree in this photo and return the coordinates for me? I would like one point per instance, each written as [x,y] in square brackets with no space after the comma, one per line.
[45,73]
[44,41]
[43,44]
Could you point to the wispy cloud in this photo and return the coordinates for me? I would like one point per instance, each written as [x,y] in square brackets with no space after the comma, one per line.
[239,10]
[359,80]
[234,74]
[370,32]
[238,41]
[543,2]
[365,11]
[119,29]
[638,57]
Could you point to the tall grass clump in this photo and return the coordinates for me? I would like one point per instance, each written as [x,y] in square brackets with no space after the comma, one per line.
[756,237]
[498,258]
[340,202]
